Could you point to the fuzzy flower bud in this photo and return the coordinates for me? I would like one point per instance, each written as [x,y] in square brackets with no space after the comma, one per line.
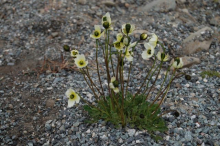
[106,25]
[187,77]
[143,36]
[66,48]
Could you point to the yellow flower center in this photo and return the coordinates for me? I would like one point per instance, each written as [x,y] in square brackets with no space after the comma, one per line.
[81,62]
[117,44]
[96,33]
[106,25]
[72,96]
[115,83]
[74,53]
[149,51]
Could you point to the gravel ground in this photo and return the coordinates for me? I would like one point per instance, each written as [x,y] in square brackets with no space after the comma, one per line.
[33,105]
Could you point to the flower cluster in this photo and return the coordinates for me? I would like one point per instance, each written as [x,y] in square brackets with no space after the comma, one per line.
[113,107]
[125,48]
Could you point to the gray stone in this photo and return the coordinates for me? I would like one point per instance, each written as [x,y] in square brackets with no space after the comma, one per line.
[131,132]
[188,135]
[192,44]
[189,61]
[159,5]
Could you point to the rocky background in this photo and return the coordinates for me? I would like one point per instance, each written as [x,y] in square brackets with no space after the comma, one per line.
[32,102]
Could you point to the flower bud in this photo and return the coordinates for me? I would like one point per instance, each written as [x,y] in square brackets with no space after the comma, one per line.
[128,28]
[106,24]
[187,77]
[66,48]
[143,36]
[163,56]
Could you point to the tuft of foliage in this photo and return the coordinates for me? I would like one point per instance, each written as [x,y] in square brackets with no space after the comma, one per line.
[210,73]
[138,113]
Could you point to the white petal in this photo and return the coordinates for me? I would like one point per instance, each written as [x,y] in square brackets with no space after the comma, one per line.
[71,102]
[144,55]
[129,57]
[69,92]
[159,56]
[132,45]
[119,36]
[147,46]
[93,36]
[116,90]
[77,99]
[123,26]
[108,17]
[132,28]
[111,86]
[97,28]
[181,63]
[81,57]
[154,38]
[174,64]
[113,79]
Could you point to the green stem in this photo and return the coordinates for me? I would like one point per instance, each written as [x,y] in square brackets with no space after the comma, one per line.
[88,75]
[154,80]
[88,103]
[161,46]
[98,67]
[128,79]
[112,62]
[165,88]
[164,81]
[145,80]
[96,96]
[149,80]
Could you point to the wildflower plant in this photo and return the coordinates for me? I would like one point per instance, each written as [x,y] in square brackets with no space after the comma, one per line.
[120,106]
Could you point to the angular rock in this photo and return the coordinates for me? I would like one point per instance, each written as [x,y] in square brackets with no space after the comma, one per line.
[192,44]
[159,5]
